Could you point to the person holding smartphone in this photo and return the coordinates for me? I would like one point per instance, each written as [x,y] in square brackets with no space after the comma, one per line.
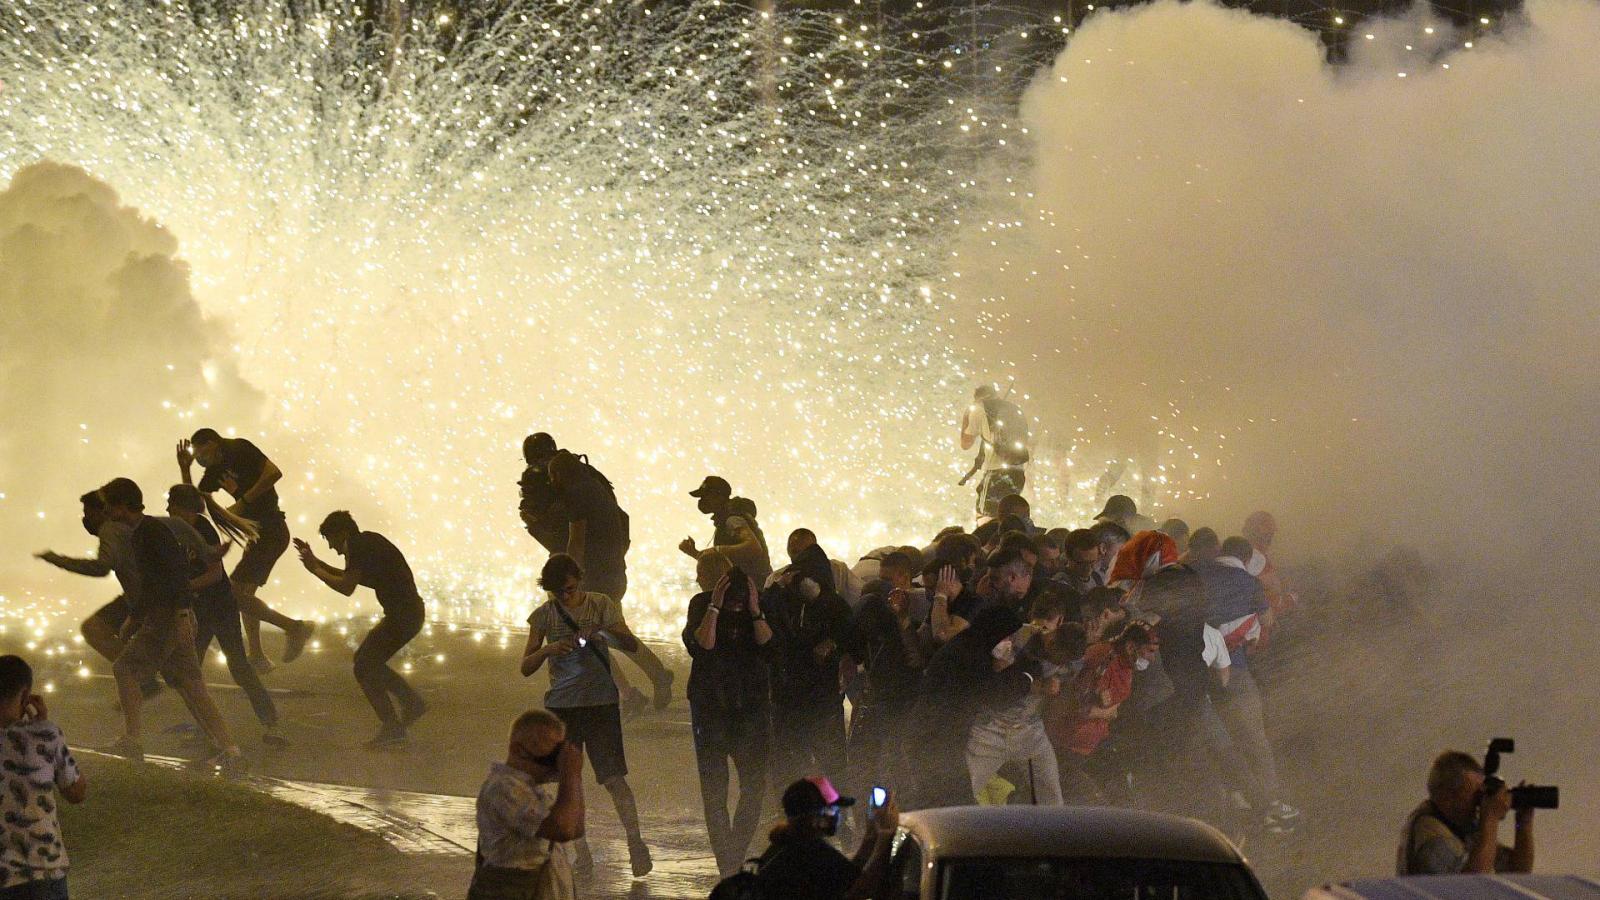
[523,836]
[800,864]
[573,631]
[730,643]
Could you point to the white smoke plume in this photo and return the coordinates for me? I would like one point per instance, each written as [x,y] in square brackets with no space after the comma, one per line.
[1366,293]
[104,355]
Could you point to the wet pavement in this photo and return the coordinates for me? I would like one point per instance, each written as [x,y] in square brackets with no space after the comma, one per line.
[444,824]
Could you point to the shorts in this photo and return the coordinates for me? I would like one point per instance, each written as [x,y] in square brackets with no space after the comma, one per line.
[114,613]
[996,485]
[599,730]
[164,645]
[260,555]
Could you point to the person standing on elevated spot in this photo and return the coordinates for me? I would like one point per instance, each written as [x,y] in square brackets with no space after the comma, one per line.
[372,561]
[580,627]
[736,537]
[237,466]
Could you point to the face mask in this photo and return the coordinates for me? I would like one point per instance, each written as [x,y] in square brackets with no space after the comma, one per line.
[549,759]
[1141,664]
[90,526]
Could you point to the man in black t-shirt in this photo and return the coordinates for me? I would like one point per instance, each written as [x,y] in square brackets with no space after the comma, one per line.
[161,629]
[597,538]
[372,561]
[239,467]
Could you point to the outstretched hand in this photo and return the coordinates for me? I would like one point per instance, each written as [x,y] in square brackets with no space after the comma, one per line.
[185,454]
[307,557]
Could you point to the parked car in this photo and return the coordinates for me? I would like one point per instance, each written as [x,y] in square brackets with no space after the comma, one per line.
[1065,853]
[1462,887]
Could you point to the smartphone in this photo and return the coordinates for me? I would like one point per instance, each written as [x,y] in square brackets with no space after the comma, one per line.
[878,797]
[583,642]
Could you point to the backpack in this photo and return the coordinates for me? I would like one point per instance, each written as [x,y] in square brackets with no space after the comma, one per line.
[1010,429]
[745,884]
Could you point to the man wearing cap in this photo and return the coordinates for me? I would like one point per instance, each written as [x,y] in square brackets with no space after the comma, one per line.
[1121,510]
[735,536]
[800,864]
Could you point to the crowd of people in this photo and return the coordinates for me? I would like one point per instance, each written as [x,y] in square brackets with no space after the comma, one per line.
[1108,663]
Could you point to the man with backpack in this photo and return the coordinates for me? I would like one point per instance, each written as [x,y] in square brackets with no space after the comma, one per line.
[1000,429]
[800,864]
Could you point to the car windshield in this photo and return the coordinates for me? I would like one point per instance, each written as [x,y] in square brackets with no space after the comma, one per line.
[1044,878]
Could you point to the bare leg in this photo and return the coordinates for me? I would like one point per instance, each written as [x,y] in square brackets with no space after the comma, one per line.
[628,814]
[99,634]
[132,701]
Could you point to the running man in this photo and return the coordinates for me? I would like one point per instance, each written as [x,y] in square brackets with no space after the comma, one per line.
[372,561]
[161,628]
[216,614]
[237,466]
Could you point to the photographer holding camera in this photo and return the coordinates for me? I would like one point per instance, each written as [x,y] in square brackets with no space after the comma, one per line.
[1457,829]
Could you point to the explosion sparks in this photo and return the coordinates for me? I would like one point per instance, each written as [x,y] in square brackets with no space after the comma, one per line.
[683,238]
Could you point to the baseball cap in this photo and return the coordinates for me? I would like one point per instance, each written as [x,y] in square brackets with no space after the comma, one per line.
[713,485]
[810,795]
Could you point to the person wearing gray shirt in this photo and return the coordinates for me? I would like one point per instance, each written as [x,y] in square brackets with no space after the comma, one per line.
[573,630]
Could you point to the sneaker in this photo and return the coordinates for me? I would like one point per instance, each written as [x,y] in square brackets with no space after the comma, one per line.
[229,762]
[1281,818]
[294,640]
[388,738]
[634,704]
[639,858]
[261,664]
[127,748]
[1239,801]
[663,691]
[1282,810]
[412,711]
[272,737]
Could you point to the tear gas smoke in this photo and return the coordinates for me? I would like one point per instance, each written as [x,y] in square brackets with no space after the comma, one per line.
[1366,293]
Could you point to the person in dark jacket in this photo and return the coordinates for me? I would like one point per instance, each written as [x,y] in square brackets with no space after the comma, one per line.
[1173,597]
[812,627]
[892,648]
[730,642]
[960,681]
[1237,603]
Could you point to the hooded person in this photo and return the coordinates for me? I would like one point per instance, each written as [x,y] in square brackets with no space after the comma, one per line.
[811,631]
[960,681]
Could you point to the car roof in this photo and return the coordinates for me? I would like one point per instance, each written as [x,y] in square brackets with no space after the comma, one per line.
[1463,887]
[1083,831]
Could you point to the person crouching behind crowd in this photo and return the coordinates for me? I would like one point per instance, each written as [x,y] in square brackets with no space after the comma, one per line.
[730,683]
[36,764]
[522,836]
[1456,830]
[800,864]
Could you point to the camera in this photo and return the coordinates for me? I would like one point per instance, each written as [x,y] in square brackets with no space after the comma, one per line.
[1527,796]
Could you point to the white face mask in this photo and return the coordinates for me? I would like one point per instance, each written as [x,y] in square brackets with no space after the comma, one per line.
[1141,664]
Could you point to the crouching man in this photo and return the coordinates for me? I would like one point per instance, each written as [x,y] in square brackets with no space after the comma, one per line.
[522,835]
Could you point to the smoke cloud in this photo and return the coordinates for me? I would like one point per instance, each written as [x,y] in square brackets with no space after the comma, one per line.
[104,354]
[1364,293]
